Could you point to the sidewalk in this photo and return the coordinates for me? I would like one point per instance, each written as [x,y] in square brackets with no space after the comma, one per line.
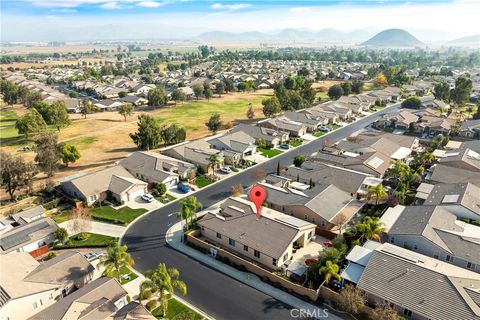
[106,229]
[173,238]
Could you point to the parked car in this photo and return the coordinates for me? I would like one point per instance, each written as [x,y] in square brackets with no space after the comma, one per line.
[285,146]
[148,197]
[93,255]
[325,129]
[183,188]
[226,170]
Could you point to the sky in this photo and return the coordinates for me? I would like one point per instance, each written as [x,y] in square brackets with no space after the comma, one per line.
[80,20]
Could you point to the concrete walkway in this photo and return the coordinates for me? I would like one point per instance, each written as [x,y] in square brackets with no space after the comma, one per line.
[174,239]
[106,229]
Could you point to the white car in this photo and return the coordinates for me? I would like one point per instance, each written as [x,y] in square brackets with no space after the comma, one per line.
[148,197]
[226,170]
[93,255]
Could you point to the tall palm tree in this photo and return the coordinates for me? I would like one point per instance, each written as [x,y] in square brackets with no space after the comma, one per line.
[370,228]
[189,207]
[330,270]
[213,161]
[116,258]
[378,192]
[163,280]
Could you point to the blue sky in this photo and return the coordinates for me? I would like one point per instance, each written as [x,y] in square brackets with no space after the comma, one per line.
[45,19]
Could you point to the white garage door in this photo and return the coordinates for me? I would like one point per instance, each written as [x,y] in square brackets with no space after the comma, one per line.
[136,194]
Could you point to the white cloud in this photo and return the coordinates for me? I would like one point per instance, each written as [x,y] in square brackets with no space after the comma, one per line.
[150,4]
[111,5]
[237,6]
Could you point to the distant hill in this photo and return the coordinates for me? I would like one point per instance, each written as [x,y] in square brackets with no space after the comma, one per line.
[393,38]
[291,34]
[466,41]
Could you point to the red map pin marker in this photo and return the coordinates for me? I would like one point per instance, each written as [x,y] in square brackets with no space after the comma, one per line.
[257,195]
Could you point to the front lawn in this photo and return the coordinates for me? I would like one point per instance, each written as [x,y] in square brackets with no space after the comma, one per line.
[295,143]
[87,240]
[334,126]
[269,153]
[318,133]
[122,216]
[203,181]
[125,271]
[166,198]
[61,216]
[177,310]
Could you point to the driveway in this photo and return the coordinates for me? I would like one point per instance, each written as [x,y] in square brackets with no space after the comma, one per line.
[139,203]
[106,229]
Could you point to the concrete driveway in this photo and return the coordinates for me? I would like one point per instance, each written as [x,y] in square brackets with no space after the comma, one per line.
[106,229]
[139,203]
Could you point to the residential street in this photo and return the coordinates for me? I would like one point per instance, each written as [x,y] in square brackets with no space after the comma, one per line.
[213,292]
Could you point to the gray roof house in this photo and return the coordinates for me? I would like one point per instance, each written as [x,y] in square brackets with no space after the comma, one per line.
[196,152]
[271,136]
[154,167]
[267,240]
[460,166]
[322,204]
[420,287]
[28,286]
[28,215]
[435,232]
[238,142]
[282,123]
[470,129]
[312,122]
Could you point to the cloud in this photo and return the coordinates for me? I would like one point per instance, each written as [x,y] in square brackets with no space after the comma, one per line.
[111,5]
[237,6]
[300,9]
[150,4]
[64,10]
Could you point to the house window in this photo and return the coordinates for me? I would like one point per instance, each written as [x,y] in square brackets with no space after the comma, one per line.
[285,257]
[245,248]
[449,258]
[392,240]
[50,296]
[274,261]
[407,313]
[435,255]
[256,254]
[41,302]
[405,244]
[305,216]
[415,247]
[219,236]
[35,305]
[470,265]
[231,242]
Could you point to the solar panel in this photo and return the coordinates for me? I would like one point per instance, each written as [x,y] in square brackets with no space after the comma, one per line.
[450,198]
[22,236]
[375,162]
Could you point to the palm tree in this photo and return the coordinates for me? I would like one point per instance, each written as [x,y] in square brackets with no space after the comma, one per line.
[213,161]
[116,258]
[378,192]
[163,280]
[188,208]
[370,228]
[330,270]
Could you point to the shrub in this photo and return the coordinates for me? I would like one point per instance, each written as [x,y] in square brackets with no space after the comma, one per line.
[145,294]
[51,255]
[151,305]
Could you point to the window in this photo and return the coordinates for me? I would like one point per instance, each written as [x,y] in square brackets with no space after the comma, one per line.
[41,302]
[305,216]
[219,236]
[435,255]
[274,261]
[245,248]
[470,265]
[35,305]
[449,258]
[50,296]
[285,257]
[310,234]
[231,242]
[392,240]
[407,313]
[415,247]
[256,254]
[405,244]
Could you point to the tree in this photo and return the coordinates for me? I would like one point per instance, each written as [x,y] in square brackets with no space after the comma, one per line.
[213,161]
[164,281]
[48,153]
[178,95]
[386,312]
[250,112]
[156,97]
[229,86]
[86,108]
[58,115]
[298,160]
[208,93]
[347,88]
[148,135]
[15,173]
[9,90]
[237,190]
[357,86]
[122,94]
[335,92]
[463,89]
[412,103]
[261,143]
[220,88]
[80,222]
[370,228]
[271,106]
[351,299]
[61,235]
[378,192]
[214,123]
[173,134]
[32,98]
[125,110]
[476,116]
[330,270]
[189,207]
[161,188]
[69,153]
[30,123]
[116,258]
[197,90]
[441,91]
[340,220]
[381,80]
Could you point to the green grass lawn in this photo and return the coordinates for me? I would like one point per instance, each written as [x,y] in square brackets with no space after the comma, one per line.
[323,95]
[295,143]
[269,153]
[177,309]
[166,198]
[123,271]
[7,124]
[318,133]
[91,240]
[122,216]
[83,141]
[334,126]
[61,217]
[203,181]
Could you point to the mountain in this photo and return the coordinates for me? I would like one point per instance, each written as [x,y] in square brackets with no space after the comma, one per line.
[470,41]
[291,34]
[393,38]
